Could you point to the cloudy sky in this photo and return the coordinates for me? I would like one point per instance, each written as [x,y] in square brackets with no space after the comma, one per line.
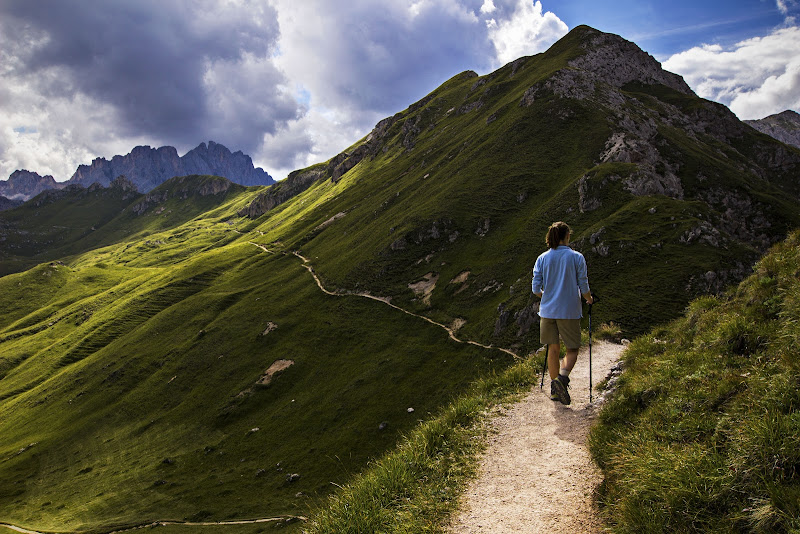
[294,82]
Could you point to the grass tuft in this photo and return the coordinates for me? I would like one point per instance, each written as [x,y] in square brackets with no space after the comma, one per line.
[702,433]
[414,488]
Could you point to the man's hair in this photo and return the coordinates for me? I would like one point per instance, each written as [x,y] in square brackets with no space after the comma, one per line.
[557,232]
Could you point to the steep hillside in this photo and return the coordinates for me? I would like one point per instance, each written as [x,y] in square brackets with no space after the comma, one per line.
[701,434]
[669,195]
[7,204]
[187,363]
[192,375]
[60,223]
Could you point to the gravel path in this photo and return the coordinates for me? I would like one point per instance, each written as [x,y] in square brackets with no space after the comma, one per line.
[537,475]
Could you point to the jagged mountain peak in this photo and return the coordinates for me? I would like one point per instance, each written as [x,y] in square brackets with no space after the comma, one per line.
[148,167]
[24,184]
[617,61]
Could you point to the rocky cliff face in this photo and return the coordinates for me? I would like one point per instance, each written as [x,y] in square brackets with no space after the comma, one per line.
[783,126]
[148,167]
[23,185]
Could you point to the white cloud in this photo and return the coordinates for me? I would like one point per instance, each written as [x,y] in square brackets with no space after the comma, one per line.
[291,83]
[528,31]
[755,78]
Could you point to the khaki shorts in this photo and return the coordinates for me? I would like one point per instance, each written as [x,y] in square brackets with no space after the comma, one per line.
[568,329]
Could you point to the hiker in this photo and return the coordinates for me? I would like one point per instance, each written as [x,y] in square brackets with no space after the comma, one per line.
[559,279]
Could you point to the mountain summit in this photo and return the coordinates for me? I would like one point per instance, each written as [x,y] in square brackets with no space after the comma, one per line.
[22,185]
[783,126]
[144,357]
[148,167]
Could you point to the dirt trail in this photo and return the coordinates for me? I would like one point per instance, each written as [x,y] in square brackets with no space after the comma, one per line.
[385,300]
[537,475]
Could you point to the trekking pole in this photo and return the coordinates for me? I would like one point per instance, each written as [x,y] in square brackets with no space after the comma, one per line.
[590,353]
[544,367]
[594,299]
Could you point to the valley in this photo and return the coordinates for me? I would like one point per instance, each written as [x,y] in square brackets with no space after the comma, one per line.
[208,352]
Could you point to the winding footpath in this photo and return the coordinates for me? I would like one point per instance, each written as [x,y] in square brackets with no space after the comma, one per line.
[385,300]
[536,474]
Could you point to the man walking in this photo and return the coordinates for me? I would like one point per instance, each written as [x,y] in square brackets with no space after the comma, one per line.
[559,279]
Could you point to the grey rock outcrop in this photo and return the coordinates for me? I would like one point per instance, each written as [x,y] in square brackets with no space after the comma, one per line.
[783,126]
[181,188]
[294,184]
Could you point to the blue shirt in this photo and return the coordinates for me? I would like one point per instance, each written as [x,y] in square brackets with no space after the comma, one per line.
[560,273]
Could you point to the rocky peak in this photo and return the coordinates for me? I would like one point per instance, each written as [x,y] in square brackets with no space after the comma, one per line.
[783,126]
[24,185]
[616,61]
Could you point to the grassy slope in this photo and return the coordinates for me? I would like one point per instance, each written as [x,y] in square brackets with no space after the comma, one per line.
[702,434]
[72,222]
[137,352]
[520,172]
[128,355]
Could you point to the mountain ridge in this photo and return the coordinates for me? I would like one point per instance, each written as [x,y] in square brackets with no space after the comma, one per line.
[148,167]
[140,353]
[23,185]
[783,126]
[145,168]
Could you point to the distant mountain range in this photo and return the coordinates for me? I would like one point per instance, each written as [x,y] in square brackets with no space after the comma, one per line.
[140,332]
[146,168]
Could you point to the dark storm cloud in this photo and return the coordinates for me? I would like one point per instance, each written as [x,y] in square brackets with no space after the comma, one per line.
[155,63]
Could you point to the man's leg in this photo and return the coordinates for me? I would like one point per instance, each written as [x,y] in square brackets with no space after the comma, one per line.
[553,352]
[569,361]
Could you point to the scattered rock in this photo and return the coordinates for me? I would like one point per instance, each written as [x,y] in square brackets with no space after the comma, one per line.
[330,221]
[270,327]
[383,426]
[277,367]
[460,278]
[293,477]
[483,227]
[424,288]
[410,410]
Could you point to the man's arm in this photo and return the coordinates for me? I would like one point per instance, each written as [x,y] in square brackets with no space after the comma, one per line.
[538,281]
[583,279]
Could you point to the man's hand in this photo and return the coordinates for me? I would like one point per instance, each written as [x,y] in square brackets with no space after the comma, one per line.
[589,298]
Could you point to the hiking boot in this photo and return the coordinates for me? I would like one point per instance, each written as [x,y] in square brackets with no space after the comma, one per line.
[553,393]
[559,388]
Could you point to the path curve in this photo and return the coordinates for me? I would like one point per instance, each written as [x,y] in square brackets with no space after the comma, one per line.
[385,300]
[536,474]
[307,265]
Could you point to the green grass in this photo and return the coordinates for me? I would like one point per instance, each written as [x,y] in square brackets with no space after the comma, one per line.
[144,342]
[702,434]
[415,487]
[136,370]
